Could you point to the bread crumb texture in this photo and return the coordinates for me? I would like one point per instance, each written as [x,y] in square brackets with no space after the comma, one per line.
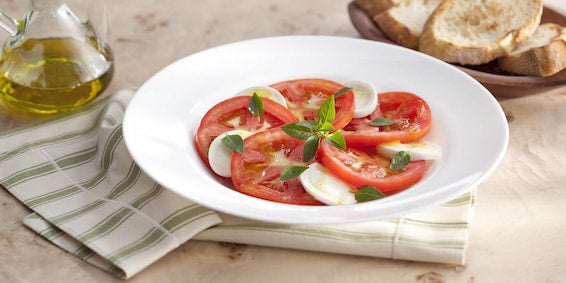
[478,31]
[544,54]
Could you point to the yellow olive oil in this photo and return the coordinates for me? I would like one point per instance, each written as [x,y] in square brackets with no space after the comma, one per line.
[53,75]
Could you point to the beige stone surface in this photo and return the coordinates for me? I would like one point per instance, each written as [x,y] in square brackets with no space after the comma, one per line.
[519,230]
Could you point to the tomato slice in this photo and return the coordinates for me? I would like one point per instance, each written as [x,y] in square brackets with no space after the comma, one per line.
[410,113]
[305,96]
[257,170]
[363,166]
[232,114]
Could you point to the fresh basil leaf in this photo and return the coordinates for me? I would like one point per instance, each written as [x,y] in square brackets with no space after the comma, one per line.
[368,193]
[342,91]
[326,127]
[337,140]
[379,122]
[400,160]
[307,123]
[292,172]
[298,131]
[310,148]
[234,143]
[327,112]
[255,106]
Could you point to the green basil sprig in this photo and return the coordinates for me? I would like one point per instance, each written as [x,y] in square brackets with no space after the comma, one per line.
[381,122]
[234,143]
[368,193]
[255,106]
[400,160]
[315,131]
[292,172]
[342,91]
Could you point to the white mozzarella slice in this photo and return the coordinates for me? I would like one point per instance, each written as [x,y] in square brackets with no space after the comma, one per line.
[219,155]
[325,187]
[264,91]
[420,150]
[365,98]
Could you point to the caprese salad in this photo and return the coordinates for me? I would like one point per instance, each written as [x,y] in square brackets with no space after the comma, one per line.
[318,142]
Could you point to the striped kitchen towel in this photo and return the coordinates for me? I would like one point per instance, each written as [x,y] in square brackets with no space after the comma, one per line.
[89,197]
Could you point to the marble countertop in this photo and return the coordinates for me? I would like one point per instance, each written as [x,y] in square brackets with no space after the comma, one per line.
[518,234]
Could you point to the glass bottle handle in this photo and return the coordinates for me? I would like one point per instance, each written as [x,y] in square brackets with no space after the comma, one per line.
[9,24]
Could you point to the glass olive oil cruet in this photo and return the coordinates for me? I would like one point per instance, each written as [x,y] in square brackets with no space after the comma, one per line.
[53,62]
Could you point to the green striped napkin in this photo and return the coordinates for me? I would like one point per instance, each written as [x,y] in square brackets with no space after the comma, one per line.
[89,197]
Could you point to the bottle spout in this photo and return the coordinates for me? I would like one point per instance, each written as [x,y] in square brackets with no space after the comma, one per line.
[9,24]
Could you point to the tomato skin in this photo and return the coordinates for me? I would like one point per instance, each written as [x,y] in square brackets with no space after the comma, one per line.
[362,166]
[412,114]
[304,97]
[254,174]
[216,120]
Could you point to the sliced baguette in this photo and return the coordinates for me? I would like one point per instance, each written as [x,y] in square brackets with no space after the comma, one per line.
[404,22]
[544,54]
[478,31]
[374,7]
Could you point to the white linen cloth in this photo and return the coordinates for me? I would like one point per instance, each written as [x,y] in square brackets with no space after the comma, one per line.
[90,198]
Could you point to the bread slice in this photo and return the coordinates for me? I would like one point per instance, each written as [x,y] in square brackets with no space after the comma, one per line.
[374,7]
[544,54]
[404,22]
[478,31]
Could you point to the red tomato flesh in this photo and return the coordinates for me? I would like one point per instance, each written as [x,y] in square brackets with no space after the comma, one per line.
[410,113]
[363,166]
[232,114]
[257,170]
[305,96]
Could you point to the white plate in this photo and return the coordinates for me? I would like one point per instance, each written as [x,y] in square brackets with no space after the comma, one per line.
[161,120]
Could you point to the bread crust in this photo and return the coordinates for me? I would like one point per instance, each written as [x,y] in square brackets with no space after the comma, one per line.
[374,7]
[437,44]
[404,22]
[543,59]
[397,31]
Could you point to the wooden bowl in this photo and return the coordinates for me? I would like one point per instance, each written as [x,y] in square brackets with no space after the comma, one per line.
[499,83]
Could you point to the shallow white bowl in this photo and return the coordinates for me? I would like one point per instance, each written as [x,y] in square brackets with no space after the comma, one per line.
[161,120]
